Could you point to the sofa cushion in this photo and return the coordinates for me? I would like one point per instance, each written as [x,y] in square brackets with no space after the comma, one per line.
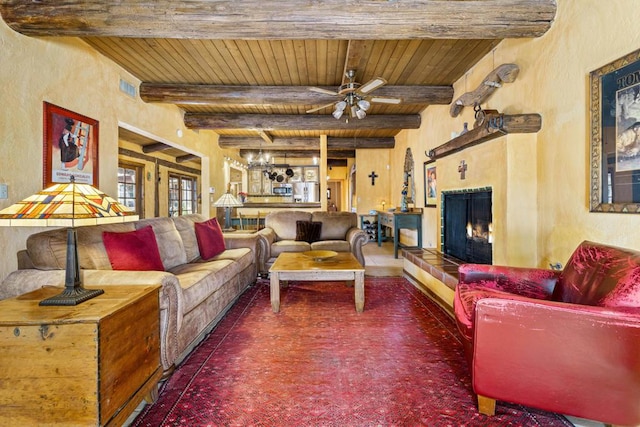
[288,246]
[210,239]
[47,250]
[201,279]
[169,241]
[186,229]
[308,231]
[242,256]
[335,224]
[133,250]
[283,223]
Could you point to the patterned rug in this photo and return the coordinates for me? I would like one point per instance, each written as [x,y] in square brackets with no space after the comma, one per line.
[319,363]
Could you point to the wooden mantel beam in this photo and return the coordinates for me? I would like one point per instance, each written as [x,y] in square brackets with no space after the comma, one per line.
[495,125]
[272,122]
[282,19]
[186,94]
[333,143]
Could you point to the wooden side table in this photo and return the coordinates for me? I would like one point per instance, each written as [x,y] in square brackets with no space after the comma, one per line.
[397,220]
[90,364]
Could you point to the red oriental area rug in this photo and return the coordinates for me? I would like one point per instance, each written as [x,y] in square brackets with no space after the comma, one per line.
[319,363]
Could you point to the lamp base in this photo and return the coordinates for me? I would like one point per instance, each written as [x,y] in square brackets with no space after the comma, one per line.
[72,296]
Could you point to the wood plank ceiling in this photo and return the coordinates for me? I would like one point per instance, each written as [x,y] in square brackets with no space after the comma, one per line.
[244,68]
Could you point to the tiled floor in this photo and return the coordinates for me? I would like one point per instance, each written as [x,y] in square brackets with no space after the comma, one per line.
[379,260]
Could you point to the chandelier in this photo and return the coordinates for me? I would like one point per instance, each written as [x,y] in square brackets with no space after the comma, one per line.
[262,161]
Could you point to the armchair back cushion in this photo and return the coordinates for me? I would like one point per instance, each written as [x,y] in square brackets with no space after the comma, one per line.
[600,275]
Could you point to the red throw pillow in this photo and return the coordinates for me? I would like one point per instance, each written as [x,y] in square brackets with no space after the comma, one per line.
[133,250]
[210,239]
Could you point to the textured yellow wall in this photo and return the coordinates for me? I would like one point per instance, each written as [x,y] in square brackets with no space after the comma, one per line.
[67,73]
[541,181]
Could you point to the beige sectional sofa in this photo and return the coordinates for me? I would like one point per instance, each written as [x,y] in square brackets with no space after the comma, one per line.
[195,294]
[339,232]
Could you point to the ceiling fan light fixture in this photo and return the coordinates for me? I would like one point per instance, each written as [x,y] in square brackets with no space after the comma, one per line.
[360,113]
[364,104]
[337,113]
[340,106]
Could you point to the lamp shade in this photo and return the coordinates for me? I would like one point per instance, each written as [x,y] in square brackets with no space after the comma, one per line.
[227,201]
[66,205]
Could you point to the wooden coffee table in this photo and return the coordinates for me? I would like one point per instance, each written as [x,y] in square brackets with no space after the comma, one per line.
[295,266]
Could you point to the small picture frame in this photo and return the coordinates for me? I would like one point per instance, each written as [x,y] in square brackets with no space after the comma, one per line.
[70,147]
[430,184]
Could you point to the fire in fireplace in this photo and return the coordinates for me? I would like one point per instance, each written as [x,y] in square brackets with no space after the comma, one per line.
[467,225]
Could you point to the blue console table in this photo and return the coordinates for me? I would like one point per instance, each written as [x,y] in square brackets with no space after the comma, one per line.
[396,220]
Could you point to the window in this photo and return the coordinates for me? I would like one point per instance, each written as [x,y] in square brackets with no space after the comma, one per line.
[130,187]
[182,195]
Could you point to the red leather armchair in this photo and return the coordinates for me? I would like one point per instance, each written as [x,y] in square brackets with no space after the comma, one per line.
[565,342]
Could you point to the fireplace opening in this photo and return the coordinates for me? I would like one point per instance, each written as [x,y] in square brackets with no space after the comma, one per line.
[467,226]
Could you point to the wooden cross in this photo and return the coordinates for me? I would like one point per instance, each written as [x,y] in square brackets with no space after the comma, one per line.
[462,169]
[373,177]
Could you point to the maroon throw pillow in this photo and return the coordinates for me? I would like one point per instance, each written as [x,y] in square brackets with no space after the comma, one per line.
[133,250]
[210,239]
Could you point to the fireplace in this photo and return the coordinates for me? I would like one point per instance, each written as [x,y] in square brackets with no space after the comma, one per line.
[467,228]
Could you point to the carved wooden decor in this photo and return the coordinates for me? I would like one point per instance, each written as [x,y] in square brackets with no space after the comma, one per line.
[506,73]
[494,126]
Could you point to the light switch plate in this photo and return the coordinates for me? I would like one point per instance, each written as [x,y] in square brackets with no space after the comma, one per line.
[4,191]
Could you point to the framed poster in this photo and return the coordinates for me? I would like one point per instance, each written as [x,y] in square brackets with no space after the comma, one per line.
[615,136]
[70,147]
[430,184]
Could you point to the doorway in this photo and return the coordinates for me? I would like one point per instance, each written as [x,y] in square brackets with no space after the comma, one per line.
[334,195]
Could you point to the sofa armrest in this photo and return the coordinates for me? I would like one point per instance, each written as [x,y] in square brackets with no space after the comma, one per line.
[357,238]
[558,357]
[477,273]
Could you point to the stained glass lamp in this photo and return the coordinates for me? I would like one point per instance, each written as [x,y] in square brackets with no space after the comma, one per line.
[67,205]
[227,201]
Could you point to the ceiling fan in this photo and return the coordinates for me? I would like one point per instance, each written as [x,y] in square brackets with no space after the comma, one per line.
[354,97]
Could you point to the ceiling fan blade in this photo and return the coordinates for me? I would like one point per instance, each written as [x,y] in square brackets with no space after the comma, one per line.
[385,100]
[325,91]
[372,85]
[313,110]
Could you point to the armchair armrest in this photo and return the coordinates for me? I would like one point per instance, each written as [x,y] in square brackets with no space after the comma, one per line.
[357,238]
[567,358]
[539,277]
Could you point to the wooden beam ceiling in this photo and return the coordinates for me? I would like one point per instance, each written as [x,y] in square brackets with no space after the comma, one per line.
[271,122]
[187,94]
[296,154]
[282,19]
[230,142]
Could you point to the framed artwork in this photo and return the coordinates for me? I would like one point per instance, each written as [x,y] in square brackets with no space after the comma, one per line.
[70,147]
[615,136]
[430,184]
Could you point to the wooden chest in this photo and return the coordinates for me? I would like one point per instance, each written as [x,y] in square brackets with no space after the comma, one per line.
[89,364]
